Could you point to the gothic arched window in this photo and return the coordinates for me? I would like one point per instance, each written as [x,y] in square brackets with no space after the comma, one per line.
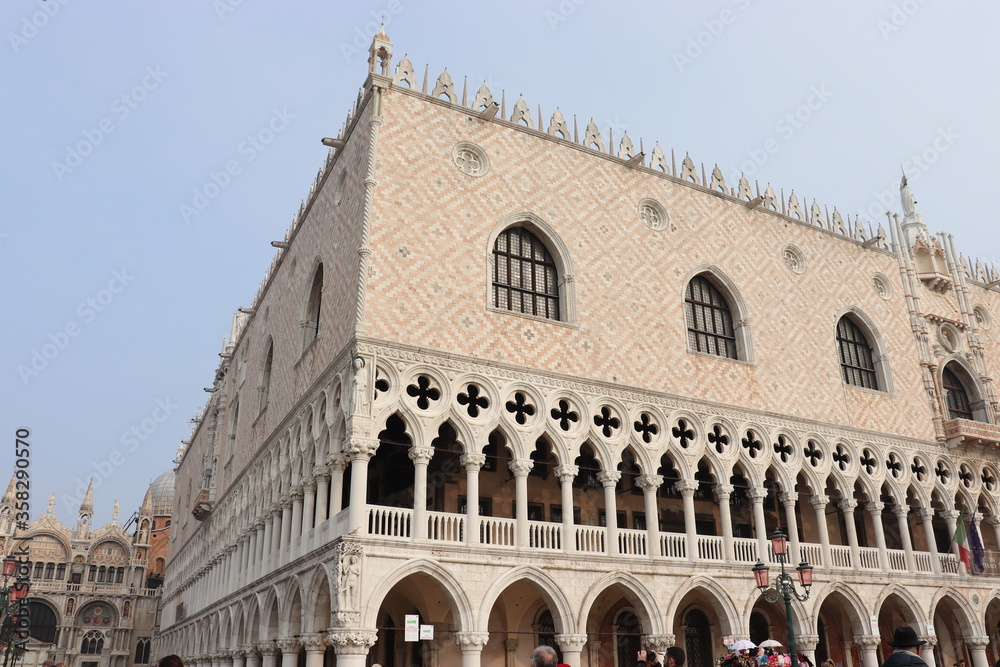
[959,406]
[265,376]
[709,320]
[857,363]
[314,306]
[525,278]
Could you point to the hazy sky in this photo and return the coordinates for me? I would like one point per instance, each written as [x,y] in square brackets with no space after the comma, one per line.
[123,260]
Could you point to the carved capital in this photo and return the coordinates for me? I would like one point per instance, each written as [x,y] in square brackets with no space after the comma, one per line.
[723,491]
[267,648]
[901,511]
[520,467]
[355,641]
[571,643]
[609,477]
[659,643]
[757,493]
[875,507]
[951,514]
[472,462]
[309,485]
[788,498]
[807,642]
[288,645]
[363,449]
[566,473]
[976,641]
[992,520]
[247,649]
[686,487]
[930,640]
[819,502]
[314,642]
[649,482]
[321,472]
[848,504]
[237,652]
[471,642]
[420,455]
[867,642]
[510,645]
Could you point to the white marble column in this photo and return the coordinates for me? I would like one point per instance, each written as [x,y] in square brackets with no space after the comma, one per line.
[977,650]
[868,645]
[351,645]
[252,657]
[472,463]
[238,658]
[788,501]
[687,487]
[298,495]
[927,650]
[308,509]
[609,480]
[806,645]
[847,506]
[649,484]
[757,495]
[315,645]
[286,530]
[322,476]
[520,468]
[289,647]
[951,517]
[566,474]
[421,457]
[927,517]
[471,645]
[572,648]
[723,492]
[902,513]
[362,451]
[875,510]
[819,504]
[268,654]
[337,464]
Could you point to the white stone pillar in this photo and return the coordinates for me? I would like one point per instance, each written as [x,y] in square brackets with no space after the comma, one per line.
[806,645]
[471,644]
[902,513]
[284,548]
[977,650]
[757,495]
[472,463]
[868,645]
[572,648]
[520,468]
[238,657]
[337,464]
[788,501]
[289,647]
[875,509]
[510,647]
[819,504]
[268,654]
[927,516]
[362,451]
[951,517]
[609,479]
[315,645]
[252,657]
[847,506]
[687,487]
[723,492]
[566,474]
[927,650]
[649,484]
[352,644]
[421,457]
[322,476]
[308,509]
[275,543]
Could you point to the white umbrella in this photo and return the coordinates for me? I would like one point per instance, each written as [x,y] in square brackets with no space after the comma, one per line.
[743,645]
[770,643]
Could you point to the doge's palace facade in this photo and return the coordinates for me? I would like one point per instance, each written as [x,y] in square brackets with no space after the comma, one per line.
[638,372]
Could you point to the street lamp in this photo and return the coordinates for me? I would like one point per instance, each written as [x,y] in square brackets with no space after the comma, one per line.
[784,585]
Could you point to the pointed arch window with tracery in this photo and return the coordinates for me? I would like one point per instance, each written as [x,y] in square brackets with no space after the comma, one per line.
[709,319]
[959,406]
[857,362]
[525,277]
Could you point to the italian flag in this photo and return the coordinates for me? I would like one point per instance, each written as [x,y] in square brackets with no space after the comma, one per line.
[962,540]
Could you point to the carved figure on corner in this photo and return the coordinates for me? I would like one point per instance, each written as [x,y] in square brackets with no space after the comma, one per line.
[350,576]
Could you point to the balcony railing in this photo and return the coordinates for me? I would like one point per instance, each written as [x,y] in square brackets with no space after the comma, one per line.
[501,533]
[968,432]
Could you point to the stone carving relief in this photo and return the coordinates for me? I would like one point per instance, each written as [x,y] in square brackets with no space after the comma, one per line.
[470,159]
[794,259]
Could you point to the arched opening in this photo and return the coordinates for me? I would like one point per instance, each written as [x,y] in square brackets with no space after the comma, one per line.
[44,622]
[525,278]
[314,307]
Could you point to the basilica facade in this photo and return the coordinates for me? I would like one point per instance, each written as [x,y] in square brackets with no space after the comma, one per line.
[510,381]
[94,591]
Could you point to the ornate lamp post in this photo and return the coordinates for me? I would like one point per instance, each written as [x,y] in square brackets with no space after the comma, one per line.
[13,611]
[784,585]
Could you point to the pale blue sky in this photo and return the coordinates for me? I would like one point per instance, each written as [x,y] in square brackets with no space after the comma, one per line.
[115,114]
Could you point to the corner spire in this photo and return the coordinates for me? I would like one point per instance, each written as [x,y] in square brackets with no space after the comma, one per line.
[380,53]
[10,497]
[913,224]
[87,506]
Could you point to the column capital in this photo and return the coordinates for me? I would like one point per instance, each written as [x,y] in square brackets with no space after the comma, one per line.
[976,641]
[993,520]
[321,472]
[609,477]
[807,642]
[649,482]
[247,649]
[950,514]
[848,504]
[472,462]
[314,642]
[510,644]
[420,454]
[819,501]
[926,513]
[659,643]
[471,642]
[566,473]
[297,494]
[267,648]
[571,643]
[288,644]
[867,642]
[309,484]
[722,492]
[976,516]
[337,461]
[686,487]
[901,511]
[875,506]
[521,467]
[757,493]
[362,449]
[354,641]
[788,498]
[237,652]
[930,640]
